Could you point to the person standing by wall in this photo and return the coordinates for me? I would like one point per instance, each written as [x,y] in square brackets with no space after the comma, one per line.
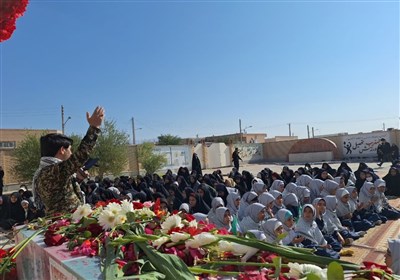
[236,158]
[196,165]
[384,152]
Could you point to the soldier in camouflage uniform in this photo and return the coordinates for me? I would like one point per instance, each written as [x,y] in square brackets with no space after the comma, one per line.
[54,188]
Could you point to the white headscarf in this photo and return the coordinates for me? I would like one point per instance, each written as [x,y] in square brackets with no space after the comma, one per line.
[245,202]
[332,221]
[269,228]
[353,201]
[283,215]
[290,200]
[253,210]
[215,204]
[258,186]
[309,229]
[316,186]
[220,217]
[365,196]
[276,185]
[304,180]
[342,208]
[230,202]
[265,198]
[381,200]
[330,188]
[394,247]
[184,206]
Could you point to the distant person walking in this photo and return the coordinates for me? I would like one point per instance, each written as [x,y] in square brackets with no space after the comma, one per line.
[384,152]
[196,165]
[1,180]
[236,158]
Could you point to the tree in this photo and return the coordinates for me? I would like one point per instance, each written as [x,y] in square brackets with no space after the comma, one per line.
[111,149]
[168,139]
[150,161]
[27,157]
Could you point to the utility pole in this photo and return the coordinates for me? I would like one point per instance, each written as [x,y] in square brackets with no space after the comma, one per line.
[133,132]
[240,130]
[312,132]
[62,119]
[383,126]
[290,129]
[308,131]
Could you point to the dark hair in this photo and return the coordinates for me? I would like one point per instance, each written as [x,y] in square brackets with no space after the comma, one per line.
[51,143]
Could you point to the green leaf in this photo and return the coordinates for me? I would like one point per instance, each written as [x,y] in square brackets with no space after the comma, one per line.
[131,217]
[294,255]
[335,271]
[277,261]
[313,276]
[170,265]
[109,267]
[146,276]
[88,221]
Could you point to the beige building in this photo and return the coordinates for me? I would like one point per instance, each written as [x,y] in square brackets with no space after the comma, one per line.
[9,140]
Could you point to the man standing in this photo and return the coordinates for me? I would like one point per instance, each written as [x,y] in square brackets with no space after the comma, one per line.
[236,158]
[384,152]
[53,187]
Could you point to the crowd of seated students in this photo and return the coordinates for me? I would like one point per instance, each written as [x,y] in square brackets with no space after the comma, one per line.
[320,208]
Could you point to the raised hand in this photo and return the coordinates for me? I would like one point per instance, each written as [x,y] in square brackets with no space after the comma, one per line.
[96,119]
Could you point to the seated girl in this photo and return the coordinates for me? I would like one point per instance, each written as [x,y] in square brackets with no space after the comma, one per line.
[358,210]
[392,256]
[345,213]
[382,205]
[335,240]
[247,199]
[278,202]
[268,201]
[255,214]
[233,202]
[287,220]
[313,237]
[333,223]
[272,229]
[215,204]
[368,199]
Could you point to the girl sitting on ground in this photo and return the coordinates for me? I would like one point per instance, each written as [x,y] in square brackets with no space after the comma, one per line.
[255,214]
[381,204]
[272,229]
[313,237]
[287,220]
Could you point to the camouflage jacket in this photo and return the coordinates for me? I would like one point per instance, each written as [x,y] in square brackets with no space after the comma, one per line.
[54,186]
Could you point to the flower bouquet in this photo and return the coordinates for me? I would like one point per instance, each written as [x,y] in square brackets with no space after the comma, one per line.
[140,241]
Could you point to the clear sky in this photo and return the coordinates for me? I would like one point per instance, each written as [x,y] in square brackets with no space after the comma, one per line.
[192,68]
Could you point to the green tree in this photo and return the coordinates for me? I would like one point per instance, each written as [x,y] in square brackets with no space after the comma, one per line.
[111,149]
[169,139]
[27,158]
[150,161]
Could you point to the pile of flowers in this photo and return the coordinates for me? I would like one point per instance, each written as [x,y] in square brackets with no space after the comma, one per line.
[10,10]
[141,239]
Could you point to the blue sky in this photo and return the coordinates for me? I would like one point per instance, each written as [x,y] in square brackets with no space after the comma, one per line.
[197,67]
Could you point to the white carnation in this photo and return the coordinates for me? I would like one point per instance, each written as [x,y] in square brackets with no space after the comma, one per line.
[200,240]
[126,206]
[82,211]
[193,224]
[160,241]
[301,270]
[171,222]
[108,219]
[114,208]
[178,236]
